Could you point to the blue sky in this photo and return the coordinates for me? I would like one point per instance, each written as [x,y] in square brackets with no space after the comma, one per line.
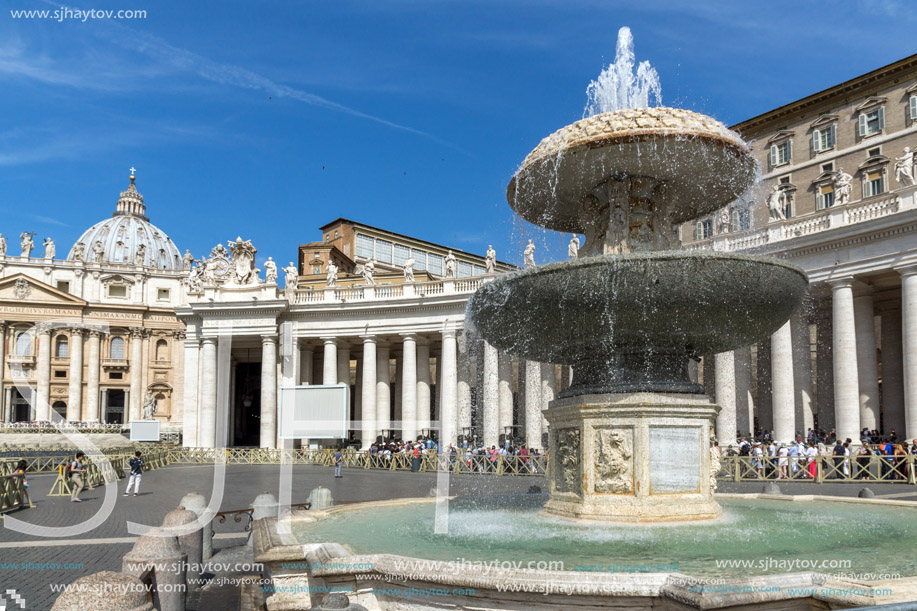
[269,119]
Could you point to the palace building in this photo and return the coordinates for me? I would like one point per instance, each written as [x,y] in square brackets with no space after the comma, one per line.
[837,199]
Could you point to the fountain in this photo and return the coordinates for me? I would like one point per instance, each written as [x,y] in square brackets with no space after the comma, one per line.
[630,437]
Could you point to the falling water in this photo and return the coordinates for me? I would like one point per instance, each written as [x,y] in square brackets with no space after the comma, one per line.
[618,87]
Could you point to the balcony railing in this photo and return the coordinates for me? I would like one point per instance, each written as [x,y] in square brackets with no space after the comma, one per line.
[823,220]
[384,292]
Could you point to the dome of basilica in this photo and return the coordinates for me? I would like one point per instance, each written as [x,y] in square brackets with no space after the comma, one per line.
[127,237]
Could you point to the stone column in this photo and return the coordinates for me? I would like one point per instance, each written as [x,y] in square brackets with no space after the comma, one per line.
[504,392]
[75,386]
[725,391]
[449,381]
[43,374]
[5,405]
[383,388]
[892,371]
[424,381]
[208,409]
[465,381]
[368,434]
[136,401]
[358,391]
[190,408]
[824,366]
[846,379]
[399,375]
[909,346]
[784,405]
[409,387]
[330,361]
[867,367]
[764,398]
[745,403]
[343,364]
[533,405]
[268,391]
[802,372]
[548,391]
[490,398]
[94,372]
[305,368]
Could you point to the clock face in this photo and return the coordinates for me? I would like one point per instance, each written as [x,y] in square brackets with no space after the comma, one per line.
[220,267]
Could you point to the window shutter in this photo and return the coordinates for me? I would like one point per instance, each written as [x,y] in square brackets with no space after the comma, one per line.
[862,124]
[881,117]
[789,150]
[833,135]
[699,231]
[816,140]
[773,154]
[914,107]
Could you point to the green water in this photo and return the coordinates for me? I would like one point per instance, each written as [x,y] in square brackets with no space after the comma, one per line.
[759,537]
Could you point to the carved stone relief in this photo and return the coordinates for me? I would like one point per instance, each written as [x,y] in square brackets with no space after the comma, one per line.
[614,464]
[567,461]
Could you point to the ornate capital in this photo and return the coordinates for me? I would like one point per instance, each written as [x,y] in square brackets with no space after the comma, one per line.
[179,334]
[137,332]
[95,333]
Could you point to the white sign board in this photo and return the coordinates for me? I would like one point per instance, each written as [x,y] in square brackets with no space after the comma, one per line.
[145,430]
[314,412]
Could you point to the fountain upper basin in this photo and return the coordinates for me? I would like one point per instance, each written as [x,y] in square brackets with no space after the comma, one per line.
[673,302]
[701,165]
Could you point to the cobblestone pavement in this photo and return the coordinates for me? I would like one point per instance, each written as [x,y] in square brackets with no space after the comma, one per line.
[42,560]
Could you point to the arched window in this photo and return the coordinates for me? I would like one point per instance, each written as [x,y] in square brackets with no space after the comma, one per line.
[162,350]
[61,348]
[116,349]
[23,344]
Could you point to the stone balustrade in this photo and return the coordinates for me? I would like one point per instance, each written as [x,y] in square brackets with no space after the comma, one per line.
[831,218]
[381,292]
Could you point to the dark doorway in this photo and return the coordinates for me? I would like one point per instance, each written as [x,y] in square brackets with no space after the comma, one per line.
[22,411]
[247,401]
[61,408]
[114,413]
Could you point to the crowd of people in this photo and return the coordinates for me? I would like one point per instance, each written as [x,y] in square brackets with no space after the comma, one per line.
[476,456]
[799,458]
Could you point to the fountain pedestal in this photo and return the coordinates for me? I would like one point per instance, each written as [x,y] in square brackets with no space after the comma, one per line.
[635,457]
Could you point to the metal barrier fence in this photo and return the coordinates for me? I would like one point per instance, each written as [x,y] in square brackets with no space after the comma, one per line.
[475,465]
[818,469]
[13,493]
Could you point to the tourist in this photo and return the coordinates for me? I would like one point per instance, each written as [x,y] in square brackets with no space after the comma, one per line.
[19,473]
[793,453]
[900,458]
[782,461]
[811,466]
[863,458]
[839,453]
[76,472]
[338,462]
[757,462]
[136,464]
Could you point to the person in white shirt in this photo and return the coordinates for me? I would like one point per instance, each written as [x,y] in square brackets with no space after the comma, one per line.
[811,453]
[782,462]
[793,452]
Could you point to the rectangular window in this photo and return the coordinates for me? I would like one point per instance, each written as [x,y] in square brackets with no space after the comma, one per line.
[384,251]
[60,373]
[162,294]
[781,153]
[913,105]
[827,167]
[704,229]
[115,375]
[435,264]
[824,197]
[739,220]
[464,269]
[479,270]
[824,139]
[420,259]
[117,291]
[63,285]
[872,123]
[401,254]
[365,246]
[788,207]
[874,185]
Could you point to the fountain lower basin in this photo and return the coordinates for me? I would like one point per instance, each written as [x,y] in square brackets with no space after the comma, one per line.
[503,553]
